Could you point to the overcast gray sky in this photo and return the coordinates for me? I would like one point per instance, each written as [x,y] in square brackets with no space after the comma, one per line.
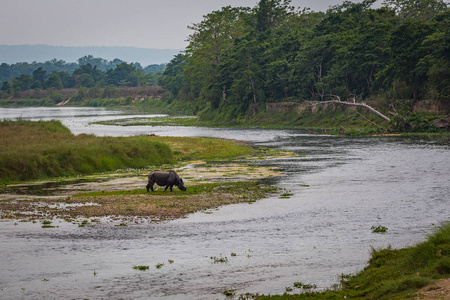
[160,24]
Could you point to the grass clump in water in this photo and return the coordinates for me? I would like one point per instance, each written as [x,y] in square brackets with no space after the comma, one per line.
[379,229]
[141,268]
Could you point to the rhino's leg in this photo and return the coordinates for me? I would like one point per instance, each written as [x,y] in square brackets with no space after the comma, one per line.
[150,186]
[167,186]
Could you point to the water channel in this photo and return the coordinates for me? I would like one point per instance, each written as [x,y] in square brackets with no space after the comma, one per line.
[341,186]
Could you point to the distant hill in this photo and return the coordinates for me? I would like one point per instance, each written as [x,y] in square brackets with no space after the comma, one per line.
[41,53]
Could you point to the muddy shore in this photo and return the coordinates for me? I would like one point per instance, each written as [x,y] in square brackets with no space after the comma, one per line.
[121,196]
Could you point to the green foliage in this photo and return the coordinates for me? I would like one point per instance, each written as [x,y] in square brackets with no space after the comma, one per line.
[33,150]
[141,268]
[379,229]
[239,58]
[87,72]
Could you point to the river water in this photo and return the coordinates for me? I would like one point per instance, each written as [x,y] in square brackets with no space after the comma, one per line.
[341,186]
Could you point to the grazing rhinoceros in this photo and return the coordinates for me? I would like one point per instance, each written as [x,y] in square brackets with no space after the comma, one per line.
[165,178]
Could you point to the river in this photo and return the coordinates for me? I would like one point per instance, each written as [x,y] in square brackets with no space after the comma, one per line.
[341,186]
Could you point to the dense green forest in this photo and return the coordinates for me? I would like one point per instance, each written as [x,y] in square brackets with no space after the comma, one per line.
[239,58]
[87,72]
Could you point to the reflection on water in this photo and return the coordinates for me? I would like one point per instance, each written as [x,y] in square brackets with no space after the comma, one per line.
[341,188]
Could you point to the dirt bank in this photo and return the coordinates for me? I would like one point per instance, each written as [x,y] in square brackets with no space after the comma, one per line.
[436,290]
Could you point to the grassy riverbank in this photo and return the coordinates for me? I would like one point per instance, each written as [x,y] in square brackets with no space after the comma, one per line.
[410,273]
[328,121]
[38,150]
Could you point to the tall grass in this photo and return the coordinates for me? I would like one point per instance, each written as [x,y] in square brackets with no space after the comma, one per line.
[36,150]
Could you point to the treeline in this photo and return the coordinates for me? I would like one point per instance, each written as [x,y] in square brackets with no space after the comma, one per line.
[239,57]
[87,72]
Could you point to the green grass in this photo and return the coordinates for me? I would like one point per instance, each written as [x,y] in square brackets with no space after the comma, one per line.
[392,274]
[44,149]
[195,148]
[141,268]
[192,190]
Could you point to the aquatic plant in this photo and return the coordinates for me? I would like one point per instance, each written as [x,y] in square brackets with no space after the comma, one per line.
[219,259]
[229,293]
[46,224]
[141,268]
[159,266]
[379,229]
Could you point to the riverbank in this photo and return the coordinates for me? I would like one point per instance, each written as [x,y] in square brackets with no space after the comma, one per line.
[418,272]
[216,180]
[421,118]
[320,125]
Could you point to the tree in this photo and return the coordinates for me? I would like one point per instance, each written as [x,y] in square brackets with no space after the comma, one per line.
[172,78]
[39,76]
[124,75]
[88,76]
[97,62]
[407,50]
[54,81]
[6,87]
[423,10]
[209,45]
[22,82]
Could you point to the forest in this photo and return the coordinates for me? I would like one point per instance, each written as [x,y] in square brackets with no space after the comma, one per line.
[87,72]
[240,58]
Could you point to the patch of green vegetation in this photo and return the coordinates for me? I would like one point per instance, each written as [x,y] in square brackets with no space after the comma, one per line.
[38,150]
[221,259]
[208,149]
[85,223]
[286,195]
[207,187]
[229,293]
[304,286]
[160,265]
[47,224]
[391,274]
[379,229]
[141,268]
[158,121]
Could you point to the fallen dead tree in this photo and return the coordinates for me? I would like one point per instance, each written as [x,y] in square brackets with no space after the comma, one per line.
[354,103]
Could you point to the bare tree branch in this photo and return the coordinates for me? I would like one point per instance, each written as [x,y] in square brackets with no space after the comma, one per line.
[338,101]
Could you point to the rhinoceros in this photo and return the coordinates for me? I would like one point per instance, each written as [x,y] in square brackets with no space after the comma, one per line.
[165,178]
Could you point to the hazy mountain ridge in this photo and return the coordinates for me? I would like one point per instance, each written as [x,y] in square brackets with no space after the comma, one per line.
[11,54]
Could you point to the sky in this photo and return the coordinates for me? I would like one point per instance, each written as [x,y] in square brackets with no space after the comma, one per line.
[158,24]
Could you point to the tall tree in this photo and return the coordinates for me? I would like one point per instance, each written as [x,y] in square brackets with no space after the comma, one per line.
[419,10]
[211,41]
[39,76]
